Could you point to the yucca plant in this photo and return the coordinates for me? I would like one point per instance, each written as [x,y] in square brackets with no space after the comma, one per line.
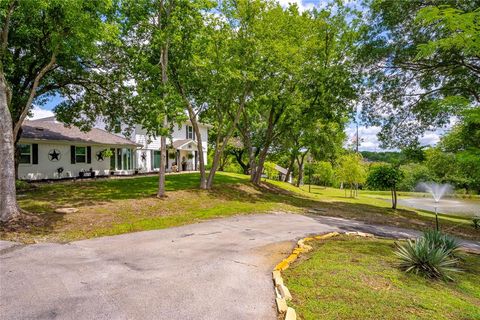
[420,257]
[438,239]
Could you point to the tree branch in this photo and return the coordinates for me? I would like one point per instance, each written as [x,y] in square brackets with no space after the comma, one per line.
[33,92]
[5,29]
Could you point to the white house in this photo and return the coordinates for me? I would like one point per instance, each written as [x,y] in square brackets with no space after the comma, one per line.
[182,152]
[50,150]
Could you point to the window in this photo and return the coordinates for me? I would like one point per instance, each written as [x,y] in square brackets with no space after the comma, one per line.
[112,159]
[25,153]
[127,159]
[80,154]
[124,159]
[190,132]
[119,159]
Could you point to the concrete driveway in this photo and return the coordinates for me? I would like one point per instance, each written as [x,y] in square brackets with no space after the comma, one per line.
[220,269]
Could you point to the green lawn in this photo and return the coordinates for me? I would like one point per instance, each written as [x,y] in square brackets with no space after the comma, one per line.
[357,278]
[115,206]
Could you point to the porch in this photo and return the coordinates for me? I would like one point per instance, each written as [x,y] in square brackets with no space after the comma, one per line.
[181,156]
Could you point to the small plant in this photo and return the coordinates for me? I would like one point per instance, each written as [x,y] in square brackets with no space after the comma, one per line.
[420,257]
[190,156]
[433,255]
[107,153]
[21,185]
[438,239]
[476,222]
[172,155]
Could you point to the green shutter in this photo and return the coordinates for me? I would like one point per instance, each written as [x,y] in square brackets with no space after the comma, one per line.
[34,153]
[72,154]
[89,154]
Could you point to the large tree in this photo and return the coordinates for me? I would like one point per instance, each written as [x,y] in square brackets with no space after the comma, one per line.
[149,28]
[309,84]
[49,47]
[423,65]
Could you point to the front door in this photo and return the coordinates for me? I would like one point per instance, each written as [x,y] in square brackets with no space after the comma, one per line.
[156,159]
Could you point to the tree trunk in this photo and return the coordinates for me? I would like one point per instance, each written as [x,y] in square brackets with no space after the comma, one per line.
[8,199]
[201,159]
[263,154]
[290,168]
[215,163]
[161,170]
[223,162]
[394,198]
[259,167]
[300,162]
[238,156]
[219,149]
[163,139]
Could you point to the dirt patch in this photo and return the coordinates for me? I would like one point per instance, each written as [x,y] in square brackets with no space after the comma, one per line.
[272,253]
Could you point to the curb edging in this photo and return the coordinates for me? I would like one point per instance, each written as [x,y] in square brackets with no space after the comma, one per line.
[282,294]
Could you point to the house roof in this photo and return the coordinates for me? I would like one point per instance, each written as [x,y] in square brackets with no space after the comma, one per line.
[281,169]
[180,144]
[50,129]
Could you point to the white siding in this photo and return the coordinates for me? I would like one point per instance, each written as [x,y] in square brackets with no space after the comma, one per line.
[46,169]
[150,143]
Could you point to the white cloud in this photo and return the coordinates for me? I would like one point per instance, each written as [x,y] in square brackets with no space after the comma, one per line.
[302,5]
[38,113]
[369,140]
[430,138]
[368,137]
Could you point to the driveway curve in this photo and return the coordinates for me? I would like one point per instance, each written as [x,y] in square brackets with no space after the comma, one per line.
[219,269]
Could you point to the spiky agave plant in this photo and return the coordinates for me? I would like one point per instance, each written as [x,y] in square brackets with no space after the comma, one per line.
[439,239]
[421,257]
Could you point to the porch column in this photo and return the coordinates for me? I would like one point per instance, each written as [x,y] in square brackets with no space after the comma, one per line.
[196,160]
[179,167]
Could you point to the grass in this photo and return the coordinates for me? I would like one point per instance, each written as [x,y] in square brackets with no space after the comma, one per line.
[116,206]
[352,278]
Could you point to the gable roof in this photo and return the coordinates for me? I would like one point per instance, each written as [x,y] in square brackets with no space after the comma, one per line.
[281,169]
[49,129]
[180,144]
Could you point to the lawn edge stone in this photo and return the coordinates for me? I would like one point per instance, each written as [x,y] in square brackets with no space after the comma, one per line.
[282,294]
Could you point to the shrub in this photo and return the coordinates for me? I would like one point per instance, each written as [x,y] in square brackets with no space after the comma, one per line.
[438,239]
[476,222]
[420,257]
[433,255]
[21,185]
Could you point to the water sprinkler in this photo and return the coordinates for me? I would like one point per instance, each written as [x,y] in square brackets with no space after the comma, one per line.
[437,191]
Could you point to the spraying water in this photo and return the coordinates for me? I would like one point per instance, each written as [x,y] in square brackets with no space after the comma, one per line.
[437,190]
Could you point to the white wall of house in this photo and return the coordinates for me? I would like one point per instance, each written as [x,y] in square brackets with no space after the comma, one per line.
[149,144]
[47,169]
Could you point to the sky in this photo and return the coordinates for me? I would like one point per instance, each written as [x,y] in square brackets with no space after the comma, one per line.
[368,135]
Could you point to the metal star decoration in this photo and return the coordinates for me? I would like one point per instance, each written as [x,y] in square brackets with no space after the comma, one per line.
[144,156]
[100,156]
[54,155]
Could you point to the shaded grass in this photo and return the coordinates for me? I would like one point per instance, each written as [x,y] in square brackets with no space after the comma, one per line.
[375,210]
[115,206]
[347,278]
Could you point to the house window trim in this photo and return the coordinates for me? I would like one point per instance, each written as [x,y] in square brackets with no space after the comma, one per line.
[84,155]
[190,134]
[30,154]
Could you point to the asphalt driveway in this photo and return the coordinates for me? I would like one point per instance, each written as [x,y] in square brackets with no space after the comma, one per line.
[220,269]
